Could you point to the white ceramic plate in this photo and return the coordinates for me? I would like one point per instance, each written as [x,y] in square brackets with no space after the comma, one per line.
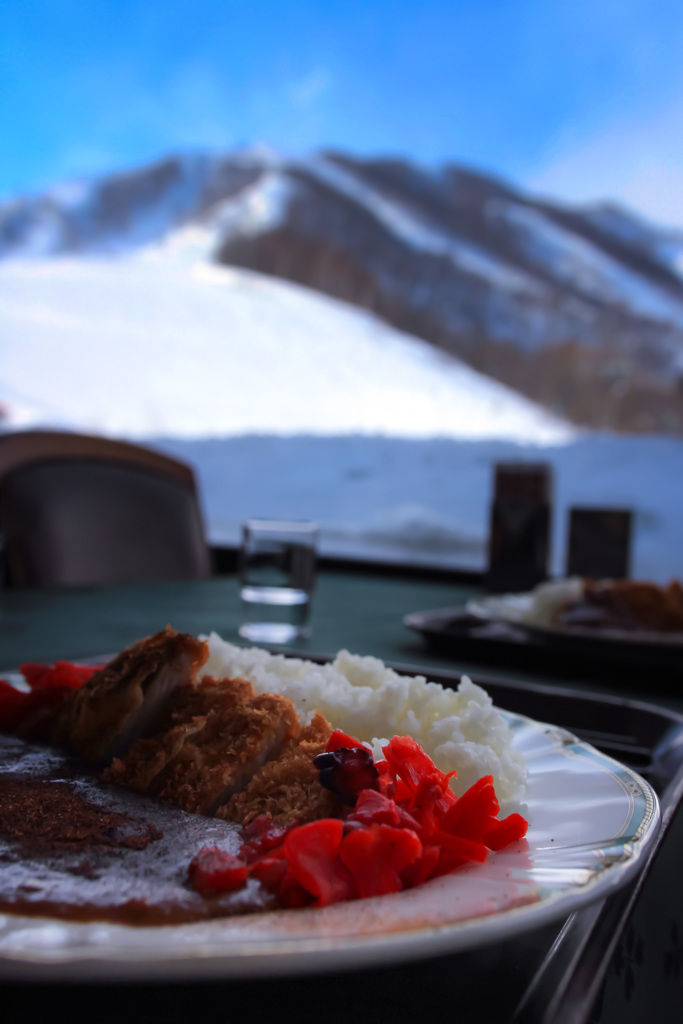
[514,609]
[591,822]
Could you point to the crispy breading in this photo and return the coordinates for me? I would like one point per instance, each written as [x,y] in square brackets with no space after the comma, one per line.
[630,604]
[126,698]
[216,746]
[234,741]
[142,767]
[206,694]
[288,789]
[147,758]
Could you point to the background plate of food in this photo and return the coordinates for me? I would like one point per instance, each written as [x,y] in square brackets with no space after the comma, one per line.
[623,611]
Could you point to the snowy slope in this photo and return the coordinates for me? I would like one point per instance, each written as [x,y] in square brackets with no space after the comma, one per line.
[158,345]
[121,211]
[420,234]
[662,244]
[249,192]
[584,266]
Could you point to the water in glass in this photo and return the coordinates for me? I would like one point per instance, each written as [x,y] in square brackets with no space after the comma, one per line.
[277,575]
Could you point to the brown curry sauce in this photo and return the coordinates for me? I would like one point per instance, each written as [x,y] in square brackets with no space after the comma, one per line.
[74,848]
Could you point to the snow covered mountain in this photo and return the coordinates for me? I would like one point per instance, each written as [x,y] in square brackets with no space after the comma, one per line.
[580,309]
[295,404]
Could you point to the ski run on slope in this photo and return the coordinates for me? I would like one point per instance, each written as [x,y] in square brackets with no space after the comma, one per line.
[150,345]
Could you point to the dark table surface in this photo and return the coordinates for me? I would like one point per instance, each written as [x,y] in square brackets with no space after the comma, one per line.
[354,610]
[362,612]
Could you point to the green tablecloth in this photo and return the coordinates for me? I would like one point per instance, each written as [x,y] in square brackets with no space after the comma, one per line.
[362,612]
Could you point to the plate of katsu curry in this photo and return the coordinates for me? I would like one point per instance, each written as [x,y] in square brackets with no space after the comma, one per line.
[196,809]
[629,611]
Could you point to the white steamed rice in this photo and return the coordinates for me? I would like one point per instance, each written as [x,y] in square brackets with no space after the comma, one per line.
[459,729]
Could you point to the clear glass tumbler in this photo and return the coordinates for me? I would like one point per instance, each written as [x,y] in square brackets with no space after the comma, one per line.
[277,576]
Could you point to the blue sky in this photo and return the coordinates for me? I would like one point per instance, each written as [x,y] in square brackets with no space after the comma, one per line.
[579,99]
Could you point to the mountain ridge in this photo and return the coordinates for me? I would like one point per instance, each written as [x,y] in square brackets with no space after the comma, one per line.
[580,309]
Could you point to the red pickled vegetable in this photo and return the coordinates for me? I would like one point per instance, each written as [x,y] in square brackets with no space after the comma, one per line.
[506,831]
[28,713]
[62,673]
[474,813]
[457,846]
[455,852]
[341,739]
[430,800]
[373,808]
[408,760]
[214,871]
[402,793]
[262,835]
[312,855]
[270,869]
[13,706]
[422,868]
[292,894]
[375,856]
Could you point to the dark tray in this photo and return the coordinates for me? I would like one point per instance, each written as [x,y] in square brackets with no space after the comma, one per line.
[454,632]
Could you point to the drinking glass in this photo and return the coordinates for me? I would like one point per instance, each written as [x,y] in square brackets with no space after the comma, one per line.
[277,576]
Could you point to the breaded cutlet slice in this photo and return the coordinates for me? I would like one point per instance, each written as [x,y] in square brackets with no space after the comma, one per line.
[221,758]
[288,789]
[125,699]
[142,767]
[649,605]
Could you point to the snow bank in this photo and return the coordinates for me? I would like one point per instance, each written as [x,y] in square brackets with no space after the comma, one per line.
[149,345]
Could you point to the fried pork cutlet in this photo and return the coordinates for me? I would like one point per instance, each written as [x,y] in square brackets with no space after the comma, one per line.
[222,758]
[288,789]
[207,746]
[628,604]
[126,698]
[219,736]
[142,767]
